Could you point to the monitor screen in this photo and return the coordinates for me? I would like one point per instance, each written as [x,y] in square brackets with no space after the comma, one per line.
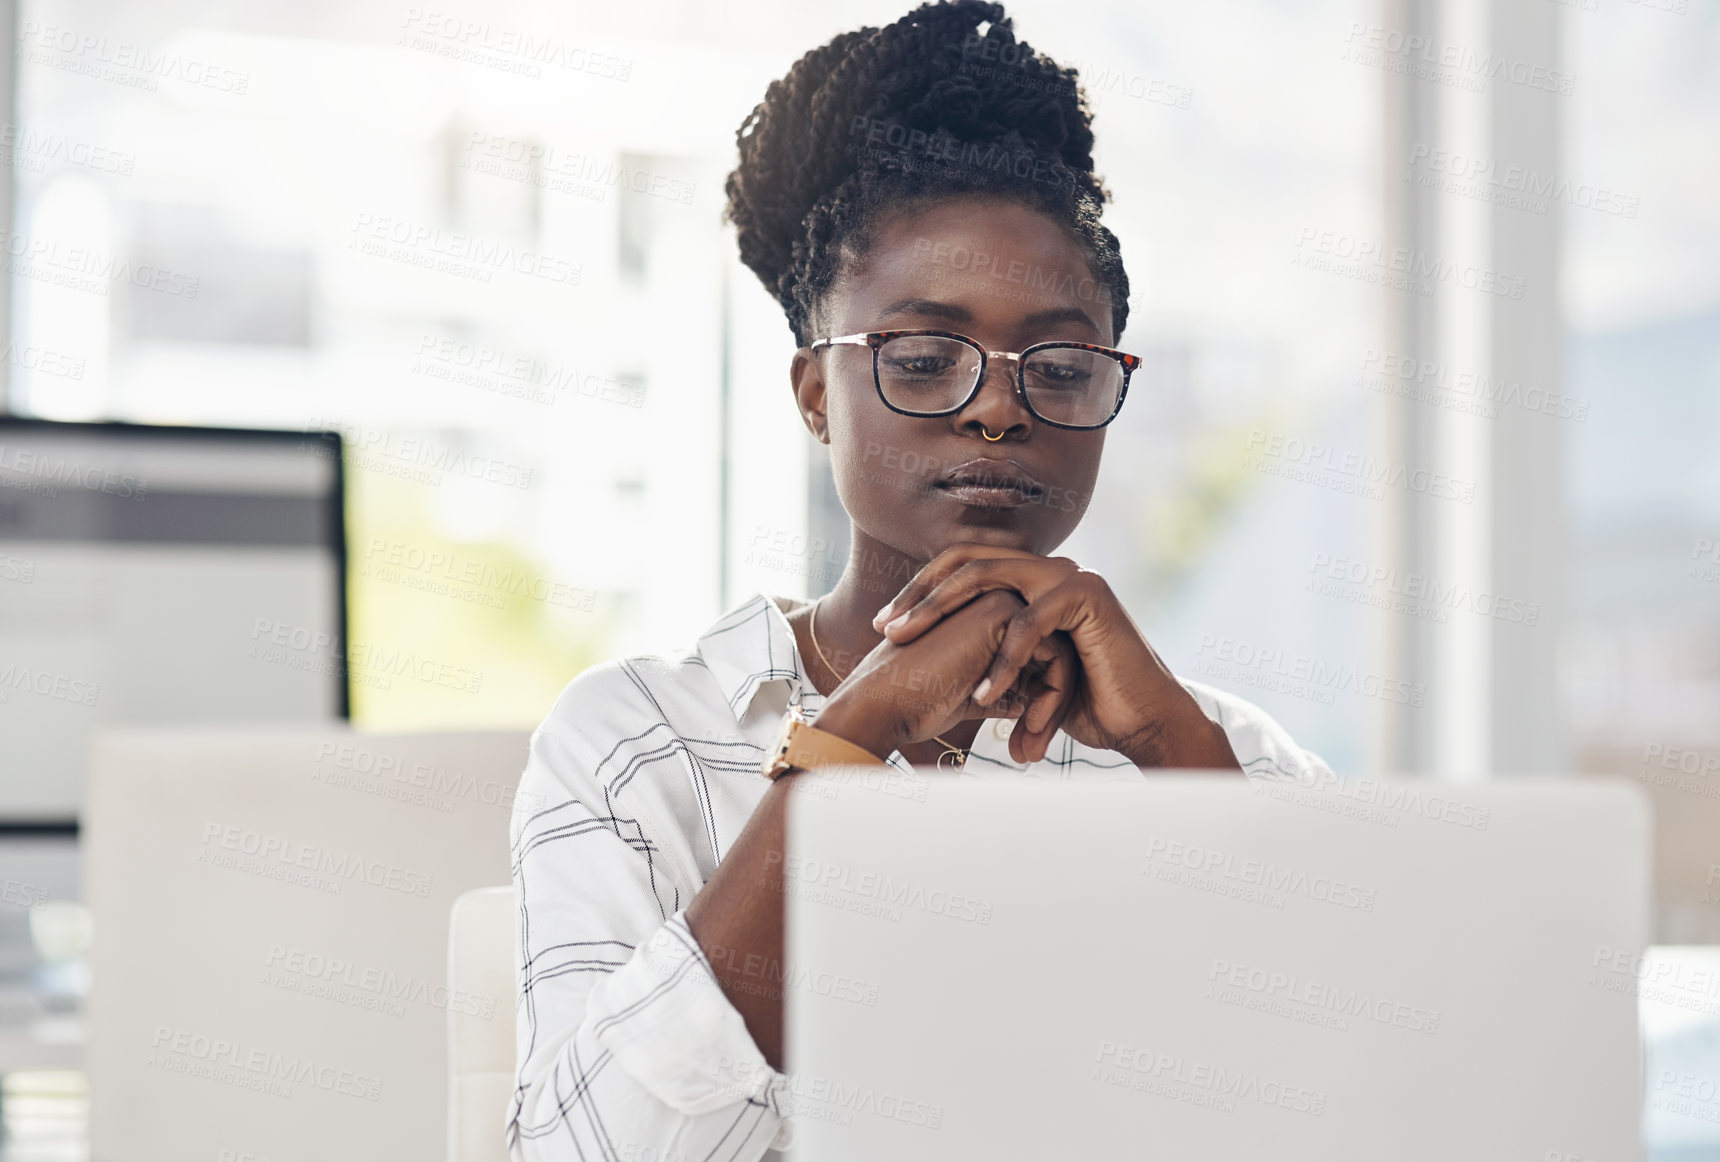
[152,575]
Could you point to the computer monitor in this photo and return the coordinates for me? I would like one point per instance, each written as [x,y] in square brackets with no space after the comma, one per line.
[157,574]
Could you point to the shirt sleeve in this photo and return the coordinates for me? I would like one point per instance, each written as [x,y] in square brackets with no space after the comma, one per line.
[627,1047]
[1263,747]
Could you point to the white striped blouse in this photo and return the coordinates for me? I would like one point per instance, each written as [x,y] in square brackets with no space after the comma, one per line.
[637,783]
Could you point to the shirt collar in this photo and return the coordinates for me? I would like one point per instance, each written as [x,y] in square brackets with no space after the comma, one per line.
[750,645]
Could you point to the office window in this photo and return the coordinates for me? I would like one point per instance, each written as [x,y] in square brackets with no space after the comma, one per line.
[1643,302]
[515,311]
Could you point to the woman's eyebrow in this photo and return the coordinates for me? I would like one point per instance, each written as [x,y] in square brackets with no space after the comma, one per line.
[1059,315]
[956,313]
[918,306]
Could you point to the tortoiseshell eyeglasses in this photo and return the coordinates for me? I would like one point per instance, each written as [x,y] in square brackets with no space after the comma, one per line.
[938,373]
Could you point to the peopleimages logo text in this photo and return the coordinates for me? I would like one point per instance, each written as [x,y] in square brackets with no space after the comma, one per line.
[483,254]
[833,877]
[1349,1002]
[268,1064]
[1414,593]
[1405,372]
[1389,794]
[119,60]
[382,982]
[1330,250]
[1116,1062]
[39,465]
[1317,673]
[1441,60]
[1366,470]
[263,848]
[1259,873]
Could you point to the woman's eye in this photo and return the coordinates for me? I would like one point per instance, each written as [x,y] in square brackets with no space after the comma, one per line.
[925,365]
[1052,375]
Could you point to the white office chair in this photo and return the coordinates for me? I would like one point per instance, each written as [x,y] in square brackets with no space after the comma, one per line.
[270,944]
[481,1052]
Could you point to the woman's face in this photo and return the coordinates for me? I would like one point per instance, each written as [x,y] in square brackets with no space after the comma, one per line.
[999,273]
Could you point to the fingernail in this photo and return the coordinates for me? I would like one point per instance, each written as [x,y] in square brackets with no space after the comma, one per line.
[896,622]
[878,618]
[980,691]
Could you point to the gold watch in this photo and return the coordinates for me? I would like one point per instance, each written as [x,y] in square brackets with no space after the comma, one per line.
[802,745]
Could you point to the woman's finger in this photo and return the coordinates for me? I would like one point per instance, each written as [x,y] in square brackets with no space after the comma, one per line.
[939,567]
[1025,631]
[919,612]
[1029,576]
[1030,746]
[1038,690]
[924,581]
[1056,682]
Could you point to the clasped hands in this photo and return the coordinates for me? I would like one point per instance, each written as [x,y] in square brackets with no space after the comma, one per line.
[1010,633]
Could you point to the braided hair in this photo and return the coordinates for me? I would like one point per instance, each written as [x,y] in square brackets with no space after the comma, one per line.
[945,102]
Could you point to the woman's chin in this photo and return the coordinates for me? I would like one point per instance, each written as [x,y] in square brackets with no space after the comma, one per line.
[1001,534]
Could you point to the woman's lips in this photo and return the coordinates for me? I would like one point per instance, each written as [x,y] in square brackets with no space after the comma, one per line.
[986,496]
[988,483]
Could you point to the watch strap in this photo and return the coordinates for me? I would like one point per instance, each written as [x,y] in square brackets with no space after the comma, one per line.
[805,746]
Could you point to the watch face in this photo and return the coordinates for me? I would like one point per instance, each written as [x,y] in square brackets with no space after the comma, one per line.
[775,761]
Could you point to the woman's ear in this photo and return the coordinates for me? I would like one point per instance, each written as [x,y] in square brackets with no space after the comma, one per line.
[806,378]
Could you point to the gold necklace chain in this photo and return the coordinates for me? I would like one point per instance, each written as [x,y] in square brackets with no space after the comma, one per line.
[960,755]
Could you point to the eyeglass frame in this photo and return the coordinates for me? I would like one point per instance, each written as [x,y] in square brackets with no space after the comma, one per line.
[876,340]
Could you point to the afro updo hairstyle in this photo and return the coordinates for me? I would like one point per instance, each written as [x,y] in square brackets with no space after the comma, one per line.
[945,102]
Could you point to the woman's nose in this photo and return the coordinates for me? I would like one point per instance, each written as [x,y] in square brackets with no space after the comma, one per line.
[998,405]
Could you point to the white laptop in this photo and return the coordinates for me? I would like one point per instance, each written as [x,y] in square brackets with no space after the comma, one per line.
[1198,966]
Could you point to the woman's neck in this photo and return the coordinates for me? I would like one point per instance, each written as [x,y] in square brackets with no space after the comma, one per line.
[875,573]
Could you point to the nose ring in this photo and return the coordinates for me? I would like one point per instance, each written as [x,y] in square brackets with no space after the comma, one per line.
[987,433]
